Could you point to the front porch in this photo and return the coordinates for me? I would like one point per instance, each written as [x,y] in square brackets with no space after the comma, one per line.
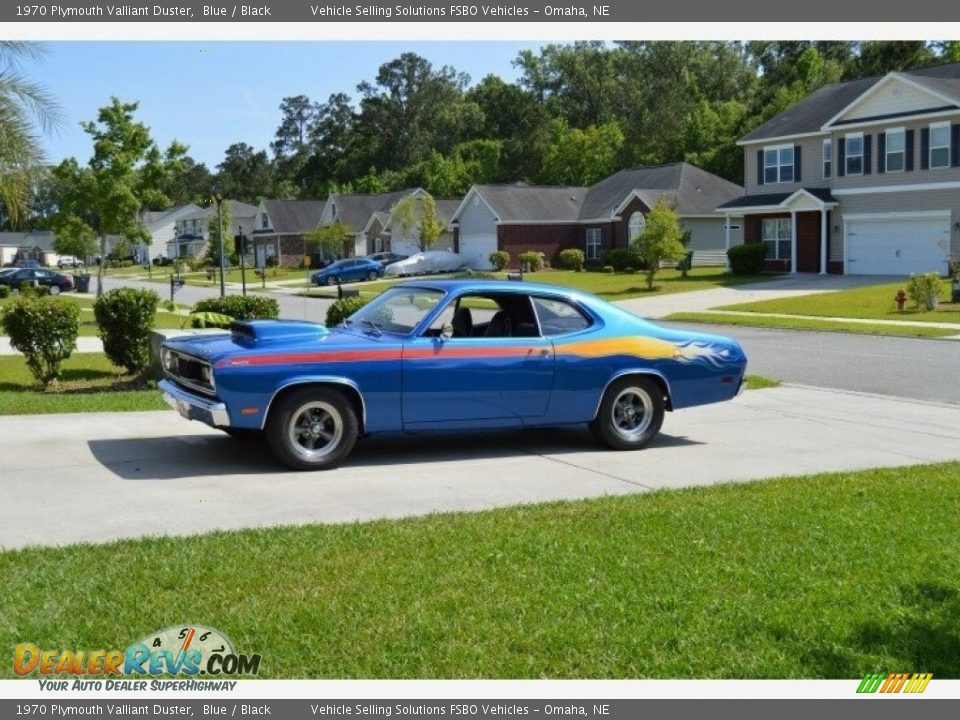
[795,227]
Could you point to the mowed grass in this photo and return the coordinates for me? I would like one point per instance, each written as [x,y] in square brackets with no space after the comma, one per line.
[827,576]
[875,302]
[616,286]
[90,383]
[809,323]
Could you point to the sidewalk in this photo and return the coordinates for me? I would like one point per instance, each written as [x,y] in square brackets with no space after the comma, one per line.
[857,321]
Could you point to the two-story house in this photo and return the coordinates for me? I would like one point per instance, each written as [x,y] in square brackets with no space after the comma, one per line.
[861,177]
[191,233]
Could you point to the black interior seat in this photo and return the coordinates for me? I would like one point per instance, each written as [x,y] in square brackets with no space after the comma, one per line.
[500,325]
[462,323]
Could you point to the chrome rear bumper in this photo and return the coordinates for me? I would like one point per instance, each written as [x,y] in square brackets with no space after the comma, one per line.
[194,407]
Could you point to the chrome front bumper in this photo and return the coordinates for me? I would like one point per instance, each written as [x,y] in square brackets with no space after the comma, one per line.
[194,407]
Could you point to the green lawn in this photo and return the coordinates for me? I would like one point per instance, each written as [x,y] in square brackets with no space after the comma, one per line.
[612,286]
[90,383]
[810,323]
[874,302]
[827,576]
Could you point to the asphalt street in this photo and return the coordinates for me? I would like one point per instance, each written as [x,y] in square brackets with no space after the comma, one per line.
[102,476]
[922,369]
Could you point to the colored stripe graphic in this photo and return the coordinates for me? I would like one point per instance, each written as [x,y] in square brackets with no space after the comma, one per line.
[895,683]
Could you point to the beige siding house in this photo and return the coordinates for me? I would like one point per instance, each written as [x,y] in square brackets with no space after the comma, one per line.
[861,177]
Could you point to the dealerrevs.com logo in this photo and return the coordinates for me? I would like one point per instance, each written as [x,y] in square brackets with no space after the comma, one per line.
[179,651]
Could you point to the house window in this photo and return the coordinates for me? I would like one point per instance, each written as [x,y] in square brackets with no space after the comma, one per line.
[775,233]
[827,158]
[594,243]
[896,149]
[940,145]
[778,164]
[636,225]
[264,221]
[855,154]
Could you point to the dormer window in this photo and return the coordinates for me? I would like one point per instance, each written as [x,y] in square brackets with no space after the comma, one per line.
[264,221]
[854,148]
[778,164]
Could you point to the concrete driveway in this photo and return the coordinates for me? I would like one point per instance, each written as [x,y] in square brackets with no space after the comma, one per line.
[102,476]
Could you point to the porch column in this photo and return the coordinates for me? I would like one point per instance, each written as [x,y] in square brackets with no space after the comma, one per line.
[793,241]
[823,241]
[726,232]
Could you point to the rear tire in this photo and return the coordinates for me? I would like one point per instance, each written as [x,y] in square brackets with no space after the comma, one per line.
[314,428]
[372,275]
[630,414]
[54,290]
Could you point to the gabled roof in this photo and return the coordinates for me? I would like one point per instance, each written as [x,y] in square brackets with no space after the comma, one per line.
[528,203]
[293,216]
[42,239]
[237,209]
[688,189]
[355,209]
[813,112]
[778,199]
[153,217]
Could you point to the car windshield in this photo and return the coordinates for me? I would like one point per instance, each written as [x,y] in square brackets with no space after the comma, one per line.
[398,310]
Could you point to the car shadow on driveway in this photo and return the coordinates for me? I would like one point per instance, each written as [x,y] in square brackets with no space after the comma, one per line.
[208,455]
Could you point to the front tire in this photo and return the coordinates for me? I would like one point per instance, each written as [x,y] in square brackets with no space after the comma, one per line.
[54,290]
[372,275]
[312,429]
[630,415]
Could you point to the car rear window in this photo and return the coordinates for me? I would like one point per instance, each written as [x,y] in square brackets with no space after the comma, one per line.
[558,317]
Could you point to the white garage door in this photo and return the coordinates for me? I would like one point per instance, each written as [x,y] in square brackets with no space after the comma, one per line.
[885,246]
[477,248]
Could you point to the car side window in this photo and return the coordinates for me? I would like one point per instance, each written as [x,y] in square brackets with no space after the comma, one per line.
[558,317]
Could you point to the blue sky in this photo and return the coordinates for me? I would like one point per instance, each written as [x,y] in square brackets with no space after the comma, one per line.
[211,94]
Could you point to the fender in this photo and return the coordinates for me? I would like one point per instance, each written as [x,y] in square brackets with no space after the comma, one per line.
[315,380]
[637,371]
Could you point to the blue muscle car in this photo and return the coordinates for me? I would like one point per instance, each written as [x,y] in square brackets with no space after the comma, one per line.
[447,355]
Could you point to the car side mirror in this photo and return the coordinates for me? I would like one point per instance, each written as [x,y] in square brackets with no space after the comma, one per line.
[446,331]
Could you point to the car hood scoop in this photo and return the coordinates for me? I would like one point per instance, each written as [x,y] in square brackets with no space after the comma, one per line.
[265,331]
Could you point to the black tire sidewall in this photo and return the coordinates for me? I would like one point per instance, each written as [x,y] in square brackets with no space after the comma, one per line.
[602,425]
[281,415]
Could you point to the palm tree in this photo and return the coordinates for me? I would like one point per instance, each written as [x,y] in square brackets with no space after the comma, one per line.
[24,106]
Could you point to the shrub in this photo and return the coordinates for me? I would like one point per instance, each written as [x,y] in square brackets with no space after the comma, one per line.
[747,259]
[344,308]
[45,331]
[533,261]
[473,275]
[607,269]
[125,316]
[210,320]
[620,258]
[924,290]
[28,289]
[572,259]
[630,270]
[241,307]
[499,259]
[4,292]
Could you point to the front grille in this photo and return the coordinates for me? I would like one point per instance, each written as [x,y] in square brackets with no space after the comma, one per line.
[188,371]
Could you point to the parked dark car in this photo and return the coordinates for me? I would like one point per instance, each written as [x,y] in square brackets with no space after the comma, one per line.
[387,258]
[47,278]
[346,270]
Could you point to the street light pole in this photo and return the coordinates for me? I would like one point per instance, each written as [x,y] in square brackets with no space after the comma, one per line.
[218,197]
[243,265]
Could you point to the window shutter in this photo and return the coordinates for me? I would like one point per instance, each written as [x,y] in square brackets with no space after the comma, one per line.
[925,148]
[796,163]
[759,167]
[867,154]
[881,153]
[841,157]
[908,160]
[955,145]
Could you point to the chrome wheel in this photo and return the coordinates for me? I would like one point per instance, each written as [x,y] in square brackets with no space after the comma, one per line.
[632,413]
[315,431]
[54,289]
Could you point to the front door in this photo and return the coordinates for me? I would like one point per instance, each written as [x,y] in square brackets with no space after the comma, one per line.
[471,381]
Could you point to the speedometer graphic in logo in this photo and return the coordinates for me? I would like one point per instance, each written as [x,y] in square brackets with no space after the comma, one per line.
[180,650]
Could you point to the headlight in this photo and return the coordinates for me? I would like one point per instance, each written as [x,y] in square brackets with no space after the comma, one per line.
[168,360]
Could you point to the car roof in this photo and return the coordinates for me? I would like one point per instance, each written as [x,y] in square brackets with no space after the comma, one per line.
[504,286]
